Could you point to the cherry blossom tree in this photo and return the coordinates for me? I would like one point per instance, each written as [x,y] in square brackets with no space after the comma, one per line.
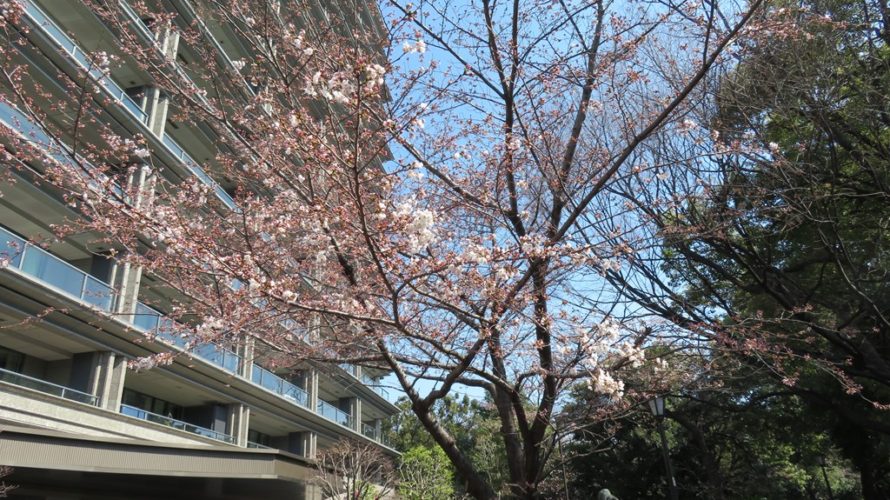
[439,199]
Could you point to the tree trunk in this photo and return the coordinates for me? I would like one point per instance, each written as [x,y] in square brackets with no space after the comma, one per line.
[477,487]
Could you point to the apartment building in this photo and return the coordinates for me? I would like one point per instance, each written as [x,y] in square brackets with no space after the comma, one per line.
[75,421]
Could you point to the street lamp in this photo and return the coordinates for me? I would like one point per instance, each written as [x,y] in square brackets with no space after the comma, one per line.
[656,405]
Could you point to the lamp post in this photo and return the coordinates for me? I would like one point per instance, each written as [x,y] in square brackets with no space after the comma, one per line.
[656,405]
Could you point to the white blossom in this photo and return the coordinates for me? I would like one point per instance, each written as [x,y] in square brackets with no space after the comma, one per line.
[635,355]
[604,383]
[420,229]
[418,46]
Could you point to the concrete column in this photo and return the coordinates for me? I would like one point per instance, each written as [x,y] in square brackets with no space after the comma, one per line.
[357,416]
[155,105]
[126,277]
[309,444]
[238,423]
[115,372]
[100,374]
[245,350]
[311,387]
[168,41]
[312,491]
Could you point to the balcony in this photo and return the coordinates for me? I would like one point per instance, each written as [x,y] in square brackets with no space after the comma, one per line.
[366,380]
[152,321]
[369,431]
[132,411]
[137,21]
[334,414]
[54,272]
[278,385]
[62,277]
[177,151]
[81,58]
[373,384]
[43,386]
[117,93]
[33,134]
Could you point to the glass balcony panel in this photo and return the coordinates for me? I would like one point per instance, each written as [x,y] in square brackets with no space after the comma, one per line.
[295,394]
[231,361]
[132,411]
[146,318]
[98,293]
[333,413]
[222,358]
[15,119]
[46,387]
[140,25]
[369,431]
[11,247]
[48,268]
[278,385]
[131,105]
[199,172]
[48,25]
[169,332]
[29,131]
[374,385]
[209,352]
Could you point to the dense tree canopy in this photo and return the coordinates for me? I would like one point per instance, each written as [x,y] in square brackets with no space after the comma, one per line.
[781,247]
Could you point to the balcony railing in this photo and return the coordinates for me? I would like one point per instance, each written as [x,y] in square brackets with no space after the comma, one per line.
[219,48]
[61,276]
[137,21]
[366,380]
[152,321]
[374,385]
[199,172]
[54,32]
[251,444]
[54,272]
[47,387]
[369,431]
[278,385]
[132,411]
[333,413]
[34,134]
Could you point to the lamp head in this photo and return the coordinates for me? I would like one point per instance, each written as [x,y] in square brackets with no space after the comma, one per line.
[656,406]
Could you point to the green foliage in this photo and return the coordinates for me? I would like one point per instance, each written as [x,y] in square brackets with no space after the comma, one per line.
[426,474]
[474,427]
[732,443]
[790,250]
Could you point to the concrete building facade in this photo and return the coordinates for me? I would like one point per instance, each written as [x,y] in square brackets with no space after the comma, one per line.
[75,421]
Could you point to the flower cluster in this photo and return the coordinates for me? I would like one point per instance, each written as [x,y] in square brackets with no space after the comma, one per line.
[342,86]
[604,383]
[418,46]
[419,228]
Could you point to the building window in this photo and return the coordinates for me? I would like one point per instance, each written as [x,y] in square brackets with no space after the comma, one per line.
[152,404]
[11,360]
[259,438]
